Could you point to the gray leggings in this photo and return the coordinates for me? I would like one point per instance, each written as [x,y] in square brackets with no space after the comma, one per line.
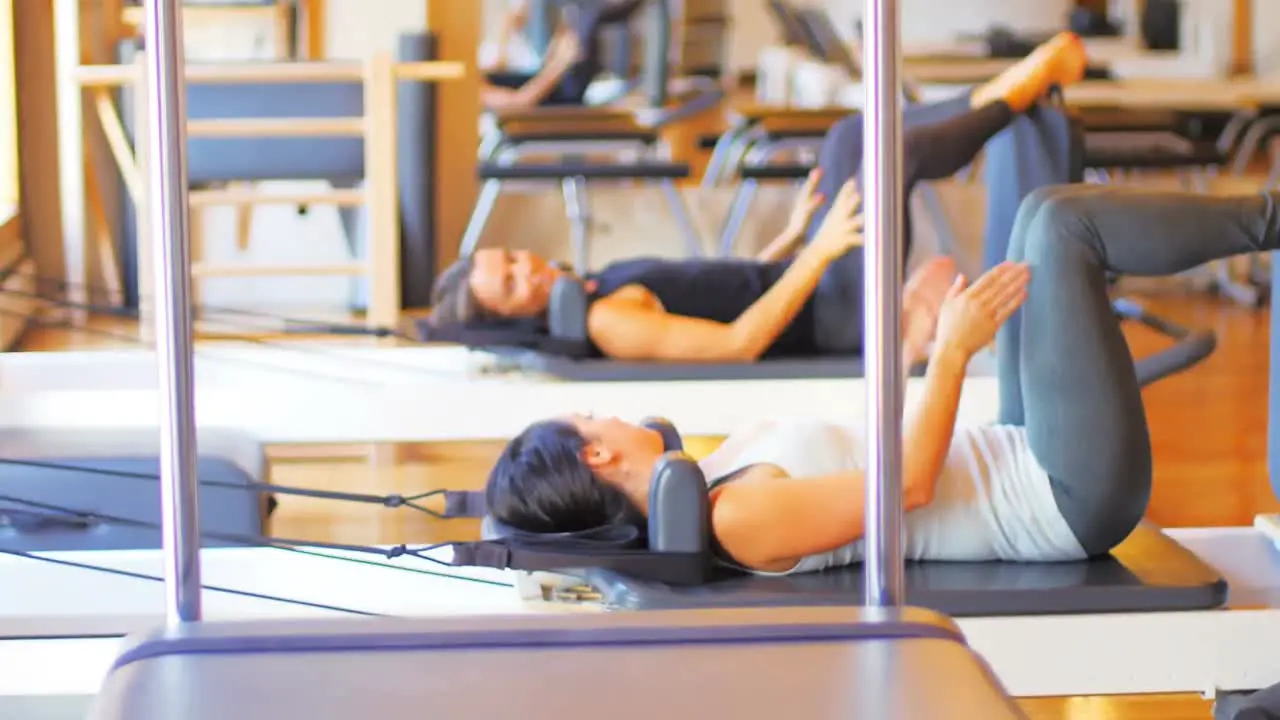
[1065,371]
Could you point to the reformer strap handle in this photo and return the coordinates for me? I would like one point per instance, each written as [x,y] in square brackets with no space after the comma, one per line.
[463,504]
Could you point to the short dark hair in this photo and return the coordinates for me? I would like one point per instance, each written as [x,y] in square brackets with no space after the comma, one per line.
[453,302]
[541,484]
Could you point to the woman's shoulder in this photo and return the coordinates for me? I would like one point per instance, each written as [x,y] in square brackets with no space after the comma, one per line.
[806,447]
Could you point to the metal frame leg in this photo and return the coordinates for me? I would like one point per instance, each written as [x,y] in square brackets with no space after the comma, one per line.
[485,202]
[576,204]
[692,238]
[720,155]
[742,199]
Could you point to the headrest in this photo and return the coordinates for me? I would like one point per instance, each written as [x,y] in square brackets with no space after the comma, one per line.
[563,332]
[675,549]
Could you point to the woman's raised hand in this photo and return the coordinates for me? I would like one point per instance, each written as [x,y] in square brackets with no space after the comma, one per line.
[807,203]
[971,315]
[841,229]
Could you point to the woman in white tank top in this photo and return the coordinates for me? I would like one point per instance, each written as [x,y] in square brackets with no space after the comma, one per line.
[1066,472]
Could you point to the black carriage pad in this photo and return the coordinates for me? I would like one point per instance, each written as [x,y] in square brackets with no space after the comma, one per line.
[1149,572]
[581,369]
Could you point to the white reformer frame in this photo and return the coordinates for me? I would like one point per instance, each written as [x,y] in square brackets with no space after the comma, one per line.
[1201,651]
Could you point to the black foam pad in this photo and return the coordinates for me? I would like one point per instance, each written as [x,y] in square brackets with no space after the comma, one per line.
[775,171]
[1149,572]
[679,510]
[671,440]
[567,310]
[588,171]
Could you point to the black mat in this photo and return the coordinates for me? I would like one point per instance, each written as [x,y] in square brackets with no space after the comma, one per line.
[606,370]
[1149,572]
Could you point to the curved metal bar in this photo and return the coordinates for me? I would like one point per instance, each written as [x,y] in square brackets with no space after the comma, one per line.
[167,208]
[883,212]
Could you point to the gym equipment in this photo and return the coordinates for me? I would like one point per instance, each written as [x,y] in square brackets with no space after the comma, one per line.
[573,178]
[215,161]
[561,349]
[902,650]
[338,669]
[110,473]
[573,133]
[672,565]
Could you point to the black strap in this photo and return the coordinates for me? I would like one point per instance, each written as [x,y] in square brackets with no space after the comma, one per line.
[669,568]
[464,504]
[390,501]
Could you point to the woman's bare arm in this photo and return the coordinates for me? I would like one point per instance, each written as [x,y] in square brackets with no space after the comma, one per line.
[767,520]
[629,330]
[781,247]
[626,328]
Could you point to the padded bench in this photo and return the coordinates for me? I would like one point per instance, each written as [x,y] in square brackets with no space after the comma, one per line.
[573,178]
[1149,572]
[816,663]
[72,469]
[1149,150]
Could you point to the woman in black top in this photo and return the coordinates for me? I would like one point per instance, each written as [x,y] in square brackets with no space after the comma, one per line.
[571,62]
[742,310]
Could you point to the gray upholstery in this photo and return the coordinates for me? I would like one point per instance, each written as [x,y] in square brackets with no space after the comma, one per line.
[1149,572]
[815,664]
[97,489]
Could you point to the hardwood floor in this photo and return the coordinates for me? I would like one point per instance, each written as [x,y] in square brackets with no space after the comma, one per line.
[1208,430]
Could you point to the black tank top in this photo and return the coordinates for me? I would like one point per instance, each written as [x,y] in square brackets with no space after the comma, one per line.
[718,290]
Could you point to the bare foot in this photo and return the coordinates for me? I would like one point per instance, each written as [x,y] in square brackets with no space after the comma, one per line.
[922,298]
[1060,60]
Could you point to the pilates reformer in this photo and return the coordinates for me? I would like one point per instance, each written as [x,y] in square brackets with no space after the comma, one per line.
[887,646]
[561,349]
[575,136]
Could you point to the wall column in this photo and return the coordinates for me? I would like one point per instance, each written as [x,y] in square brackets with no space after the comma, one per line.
[38,178]
[456,25]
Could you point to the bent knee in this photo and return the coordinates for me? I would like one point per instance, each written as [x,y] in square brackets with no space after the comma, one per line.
[1062,223]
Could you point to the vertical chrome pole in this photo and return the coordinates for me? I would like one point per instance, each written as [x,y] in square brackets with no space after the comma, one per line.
[883,212]
[167,213]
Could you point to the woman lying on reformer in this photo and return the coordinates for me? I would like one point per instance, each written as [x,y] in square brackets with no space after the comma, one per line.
[1064,474]
[738,310]
[571,62]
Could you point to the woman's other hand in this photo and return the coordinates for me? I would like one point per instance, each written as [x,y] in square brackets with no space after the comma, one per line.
[971,315]
[841,229]
[806,204]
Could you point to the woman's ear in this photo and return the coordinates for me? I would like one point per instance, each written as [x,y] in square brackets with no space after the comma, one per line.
[597,456]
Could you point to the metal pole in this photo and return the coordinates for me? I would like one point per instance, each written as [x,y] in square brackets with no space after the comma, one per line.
[883,212]
[167,209]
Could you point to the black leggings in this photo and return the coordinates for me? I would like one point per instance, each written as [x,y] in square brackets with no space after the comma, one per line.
[938,141]
[1065,371]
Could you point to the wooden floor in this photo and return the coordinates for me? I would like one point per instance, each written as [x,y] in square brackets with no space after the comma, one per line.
[1208,426]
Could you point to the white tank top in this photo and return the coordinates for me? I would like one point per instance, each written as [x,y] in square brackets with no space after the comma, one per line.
[993,500]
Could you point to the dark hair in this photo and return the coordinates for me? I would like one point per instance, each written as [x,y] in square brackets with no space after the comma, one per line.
[542,484]
[452,301]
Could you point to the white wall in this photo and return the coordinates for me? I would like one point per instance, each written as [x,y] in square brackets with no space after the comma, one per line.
[1266,37]
[940,21]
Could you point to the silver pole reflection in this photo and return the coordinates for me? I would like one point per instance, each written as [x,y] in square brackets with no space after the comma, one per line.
[883,213]
[179,502]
